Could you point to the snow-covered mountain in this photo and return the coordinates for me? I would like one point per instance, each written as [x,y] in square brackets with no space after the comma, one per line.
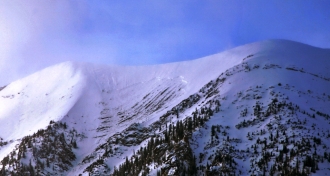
[261,108]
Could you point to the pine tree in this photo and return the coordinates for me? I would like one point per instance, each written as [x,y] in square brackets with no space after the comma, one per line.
[47,162]
[3,170]
[31,169]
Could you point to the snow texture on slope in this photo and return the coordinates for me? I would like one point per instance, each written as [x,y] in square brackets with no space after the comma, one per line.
[100,101]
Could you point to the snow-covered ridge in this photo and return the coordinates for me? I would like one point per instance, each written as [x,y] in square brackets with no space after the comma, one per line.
[30,103]
[100,101]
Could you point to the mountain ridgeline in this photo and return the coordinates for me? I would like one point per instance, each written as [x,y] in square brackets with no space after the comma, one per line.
[258,109]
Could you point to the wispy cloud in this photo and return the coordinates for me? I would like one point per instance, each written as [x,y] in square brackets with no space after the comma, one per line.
[38,33]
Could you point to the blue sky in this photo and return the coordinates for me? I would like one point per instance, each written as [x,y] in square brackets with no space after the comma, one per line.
[39,33]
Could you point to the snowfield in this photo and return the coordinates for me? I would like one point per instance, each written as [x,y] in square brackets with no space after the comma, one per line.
[121,108]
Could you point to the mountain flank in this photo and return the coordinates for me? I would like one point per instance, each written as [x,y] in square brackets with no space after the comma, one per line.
[258,109]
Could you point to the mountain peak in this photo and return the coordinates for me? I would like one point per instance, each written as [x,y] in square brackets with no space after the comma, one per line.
[256,104]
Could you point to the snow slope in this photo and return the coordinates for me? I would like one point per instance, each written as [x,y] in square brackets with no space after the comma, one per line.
[66,89]
[100,101]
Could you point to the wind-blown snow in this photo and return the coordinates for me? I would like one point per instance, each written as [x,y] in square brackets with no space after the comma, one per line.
[30,103]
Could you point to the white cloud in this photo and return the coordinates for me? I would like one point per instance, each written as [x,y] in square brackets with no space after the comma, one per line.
[38,33]
[27,31]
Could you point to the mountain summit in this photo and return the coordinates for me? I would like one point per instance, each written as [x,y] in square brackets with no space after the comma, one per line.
[261,108]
